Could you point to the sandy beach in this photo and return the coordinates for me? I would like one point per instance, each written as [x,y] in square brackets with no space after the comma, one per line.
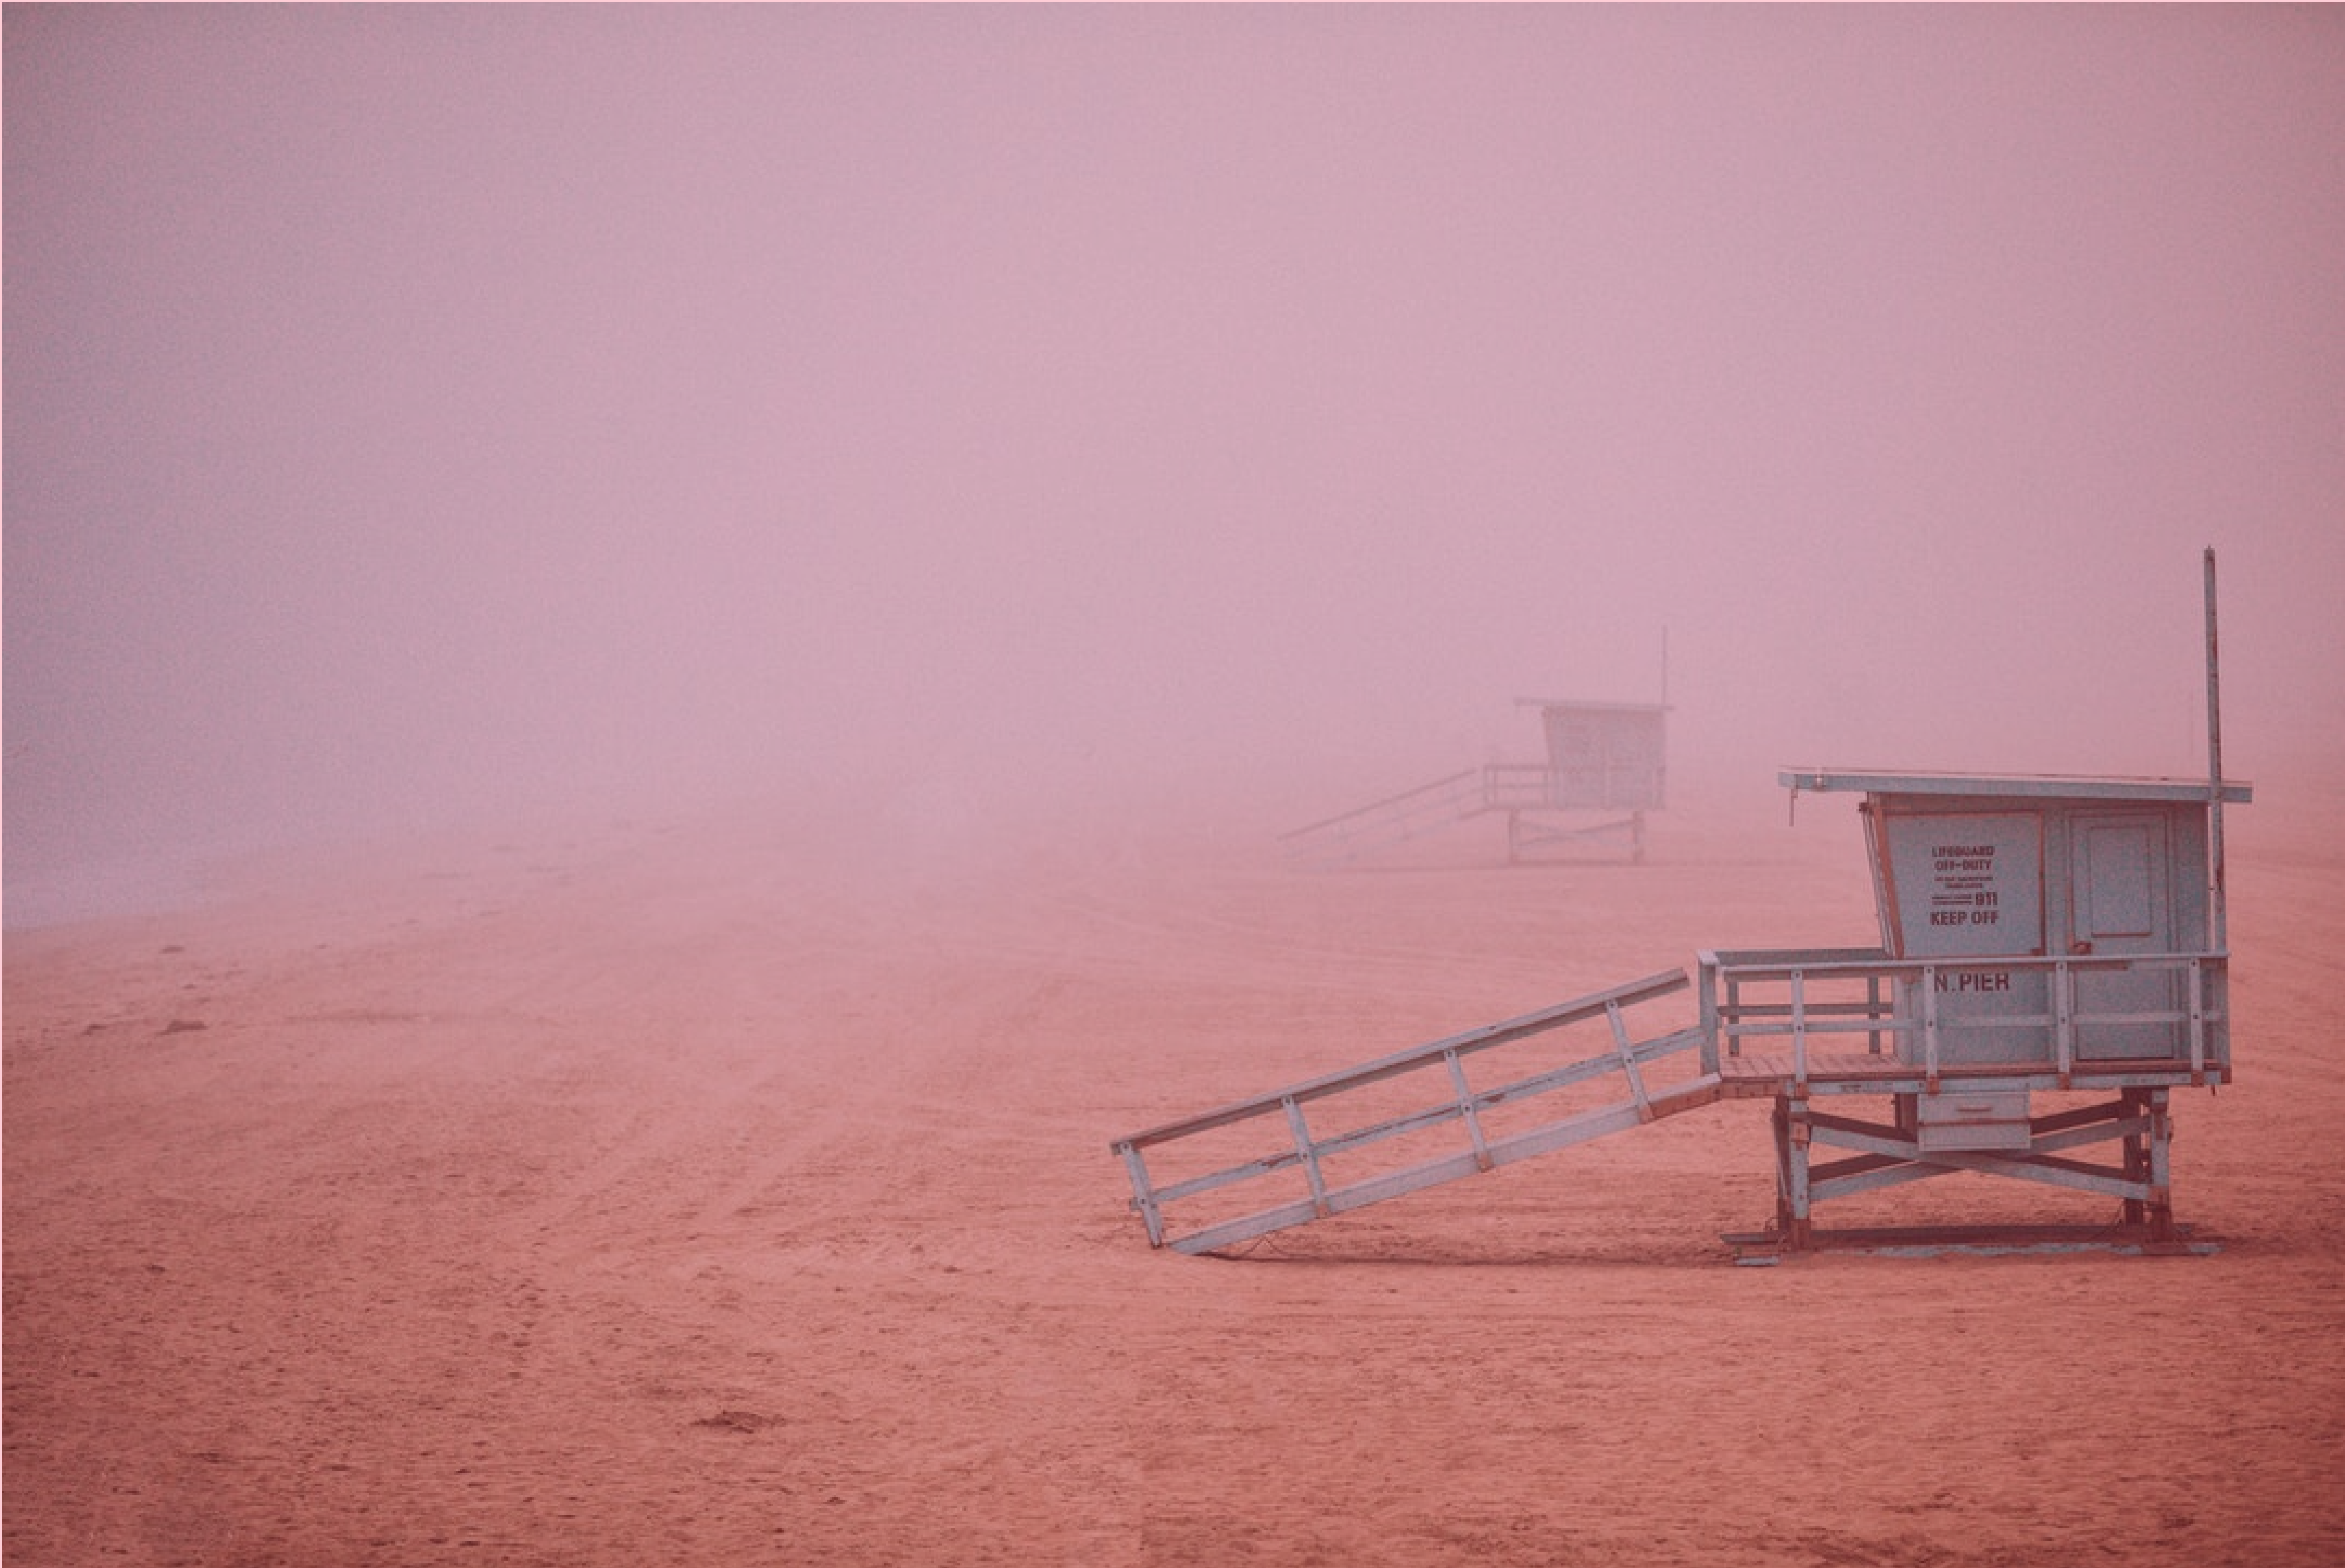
[704,1192]
[656,656]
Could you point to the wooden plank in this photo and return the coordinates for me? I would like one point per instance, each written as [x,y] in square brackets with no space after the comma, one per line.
[1412,1178]
[1245,1229]
[1863,1139]
[2081,1115]
[2095,1133]
[1591,1067]
[1706,1090]
[1773,1065]
[2074,1175]
[1858,1073]
[1835,1180]
[1578,1129]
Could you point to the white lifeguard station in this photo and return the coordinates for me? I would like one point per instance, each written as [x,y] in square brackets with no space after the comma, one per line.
[1606,764]
[2044,941]
[2052,967]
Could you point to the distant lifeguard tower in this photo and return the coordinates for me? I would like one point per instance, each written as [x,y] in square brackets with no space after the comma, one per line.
[1608,759]
[2052,966]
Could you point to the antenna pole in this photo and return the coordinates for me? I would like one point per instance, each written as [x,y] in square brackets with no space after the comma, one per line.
[2218,938]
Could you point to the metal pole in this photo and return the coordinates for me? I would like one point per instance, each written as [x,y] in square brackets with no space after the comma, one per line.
[2219,938]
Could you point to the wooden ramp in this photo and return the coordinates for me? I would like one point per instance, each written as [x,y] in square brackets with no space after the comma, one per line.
[1424,1115]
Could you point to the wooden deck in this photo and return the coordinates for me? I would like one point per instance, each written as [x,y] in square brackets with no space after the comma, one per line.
[1758,1074]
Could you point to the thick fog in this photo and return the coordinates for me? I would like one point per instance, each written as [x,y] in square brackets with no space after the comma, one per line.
[431,414]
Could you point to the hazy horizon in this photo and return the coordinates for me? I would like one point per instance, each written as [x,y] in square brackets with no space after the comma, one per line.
[420,415]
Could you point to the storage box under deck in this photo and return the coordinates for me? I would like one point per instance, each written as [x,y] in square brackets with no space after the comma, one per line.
[1957,1119]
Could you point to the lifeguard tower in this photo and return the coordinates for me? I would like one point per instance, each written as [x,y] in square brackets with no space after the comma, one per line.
[2052,966]
[1606,764]
[2039,937]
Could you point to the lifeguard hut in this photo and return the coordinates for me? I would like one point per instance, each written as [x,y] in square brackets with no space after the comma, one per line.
[2040,937]
[2052,966]
[1606,764]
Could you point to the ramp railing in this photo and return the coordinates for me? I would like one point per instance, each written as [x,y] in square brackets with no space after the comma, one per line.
[1398,1100]
[1428,807]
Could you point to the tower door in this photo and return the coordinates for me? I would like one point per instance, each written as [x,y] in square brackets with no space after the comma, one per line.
[2121,901]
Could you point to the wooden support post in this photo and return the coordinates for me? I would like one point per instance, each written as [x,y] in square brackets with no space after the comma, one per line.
[1144,1196]
[1627,1051]
[1799,1032]
[2064,1020]
[1930,1027]
[2161,1191]
[1780,1124]
[2136,1159]
[1792,1196]
[2198,979]
[1309,1155]
[1706,1000]
[1466,1109]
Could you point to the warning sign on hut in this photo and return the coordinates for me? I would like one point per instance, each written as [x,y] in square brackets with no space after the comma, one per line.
[1969,883]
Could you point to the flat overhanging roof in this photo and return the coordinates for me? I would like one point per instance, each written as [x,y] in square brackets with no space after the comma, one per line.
[2006,786]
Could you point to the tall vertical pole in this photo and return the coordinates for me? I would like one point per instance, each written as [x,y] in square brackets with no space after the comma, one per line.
[2218,938]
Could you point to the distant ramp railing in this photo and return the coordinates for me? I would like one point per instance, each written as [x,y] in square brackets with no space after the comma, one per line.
[1309,1154]
[1494,787]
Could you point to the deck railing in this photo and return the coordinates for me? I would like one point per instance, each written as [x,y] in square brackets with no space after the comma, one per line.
[1800,996]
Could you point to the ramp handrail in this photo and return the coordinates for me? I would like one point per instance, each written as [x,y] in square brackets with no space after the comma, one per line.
[1309,1150]
[1442,792]
[1495,786]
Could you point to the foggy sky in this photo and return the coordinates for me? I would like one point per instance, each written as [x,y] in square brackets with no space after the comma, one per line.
[414,412]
